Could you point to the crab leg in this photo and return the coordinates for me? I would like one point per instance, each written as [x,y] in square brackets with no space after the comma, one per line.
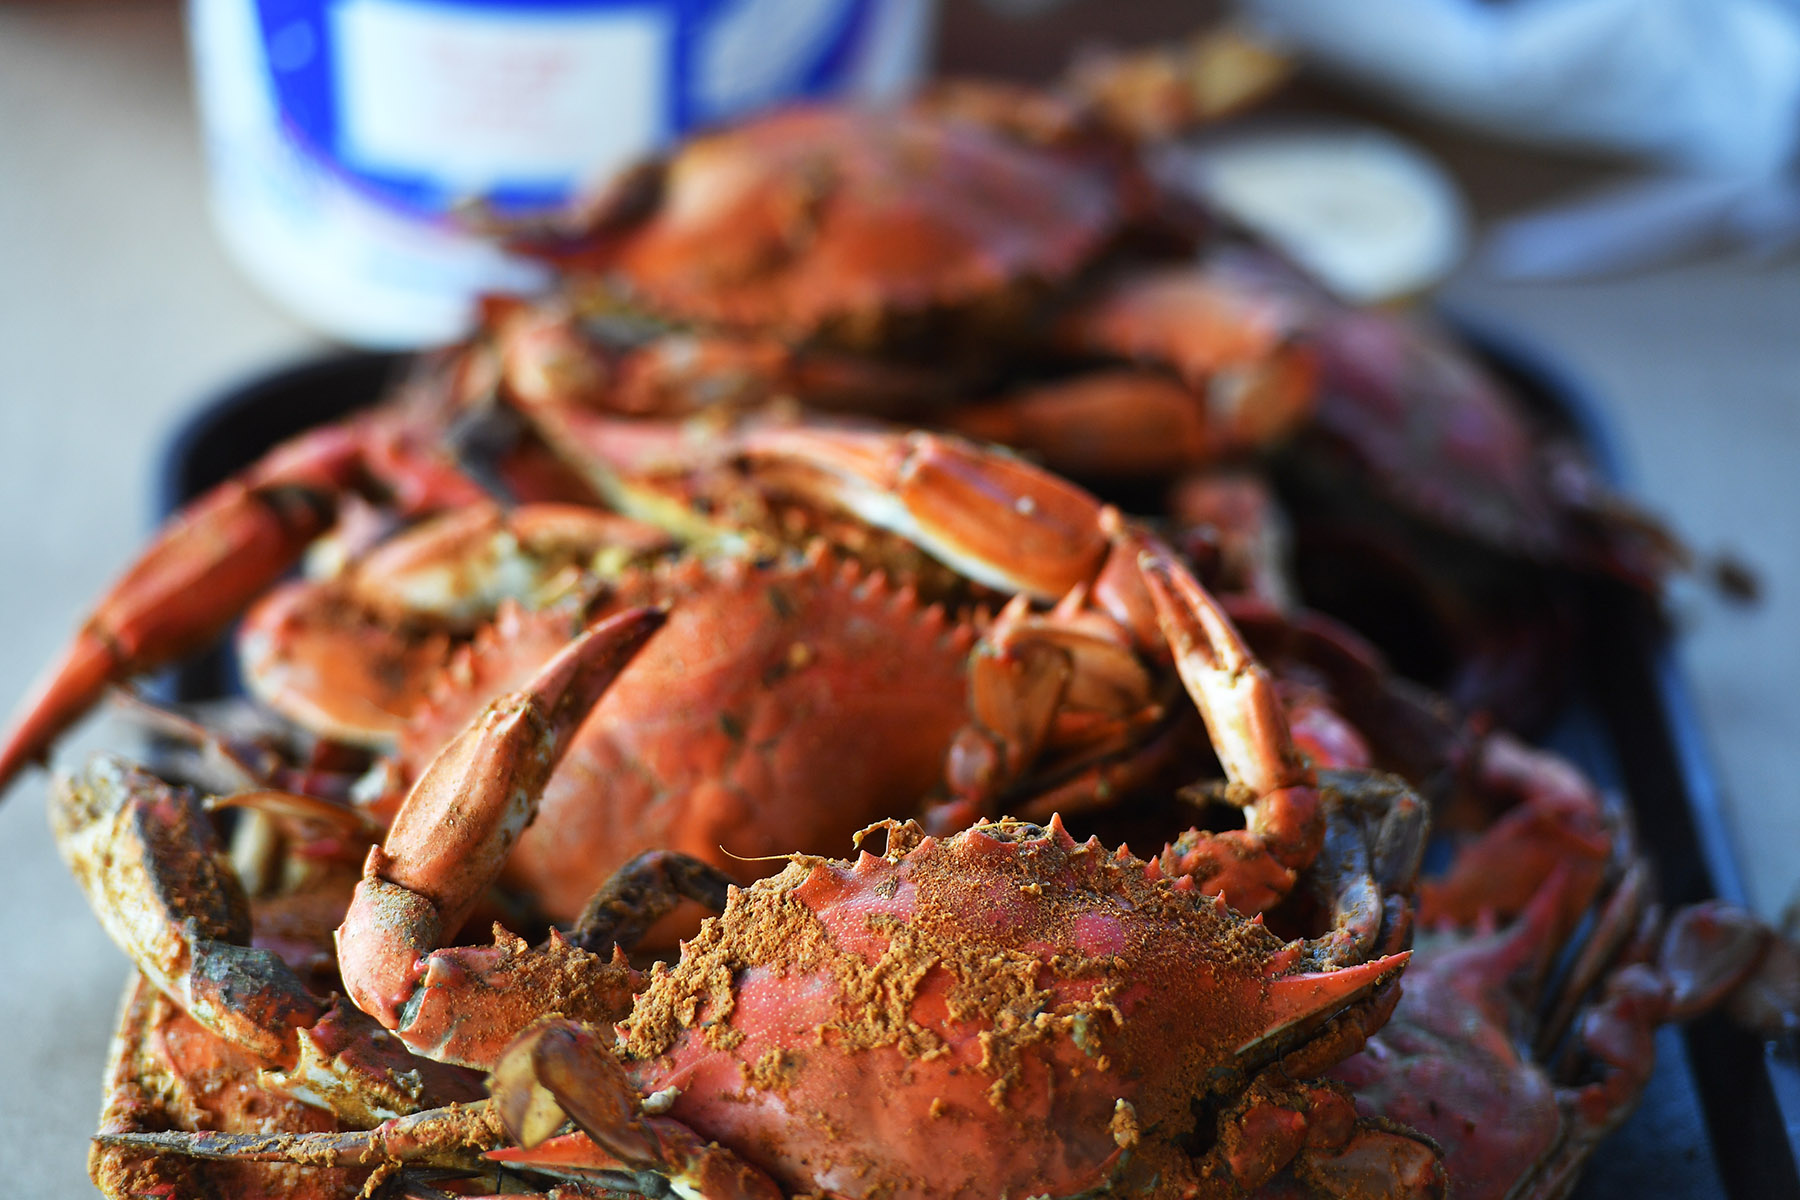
[558,1070]
[210,561]
[989,515]
[156,875]
[1099,782]
[1284,827]
[554,1064]
[441,1137]
[448,842]
[175,599]
[642,892]
[1062,702]
[982,511]
[1558,818]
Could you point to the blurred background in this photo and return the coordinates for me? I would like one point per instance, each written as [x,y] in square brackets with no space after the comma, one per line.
[1623,171]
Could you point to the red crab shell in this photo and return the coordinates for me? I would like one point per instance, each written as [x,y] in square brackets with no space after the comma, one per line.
[830,220]
[789,687]
[1003,1012]
[1454,1061]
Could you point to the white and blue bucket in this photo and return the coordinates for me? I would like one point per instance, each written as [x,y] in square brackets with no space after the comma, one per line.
[344,137]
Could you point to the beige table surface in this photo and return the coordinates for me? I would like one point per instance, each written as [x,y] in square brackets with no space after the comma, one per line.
[118,313]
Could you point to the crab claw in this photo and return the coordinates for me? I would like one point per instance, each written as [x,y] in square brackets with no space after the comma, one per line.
[128,836]
[1233,691]
[156,875]
[1293,1000]
[556,1071]
[1711,949]
[1284,825]
[448,843]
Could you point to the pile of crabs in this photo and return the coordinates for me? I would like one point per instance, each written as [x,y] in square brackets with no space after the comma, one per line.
[927,485]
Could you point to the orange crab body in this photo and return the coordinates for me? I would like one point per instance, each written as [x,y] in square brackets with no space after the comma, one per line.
[814,686]
[1005,1012]
[840,221]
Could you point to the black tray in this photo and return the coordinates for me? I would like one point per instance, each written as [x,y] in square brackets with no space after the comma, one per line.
[1721,1118]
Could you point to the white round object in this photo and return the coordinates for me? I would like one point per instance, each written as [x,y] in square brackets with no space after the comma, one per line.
[1371,216]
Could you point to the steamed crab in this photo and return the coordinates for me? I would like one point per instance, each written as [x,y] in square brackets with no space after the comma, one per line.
[1543,969]
[893,261]
[1033,986]
[1382,437]
[839,228]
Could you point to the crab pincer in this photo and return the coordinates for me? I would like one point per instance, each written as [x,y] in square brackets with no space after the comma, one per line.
[448,843]
[1237,697]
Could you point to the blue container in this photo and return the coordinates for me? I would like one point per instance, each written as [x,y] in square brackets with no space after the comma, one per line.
[347,138]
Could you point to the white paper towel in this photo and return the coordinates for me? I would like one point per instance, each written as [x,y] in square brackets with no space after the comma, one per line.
[1712,85]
